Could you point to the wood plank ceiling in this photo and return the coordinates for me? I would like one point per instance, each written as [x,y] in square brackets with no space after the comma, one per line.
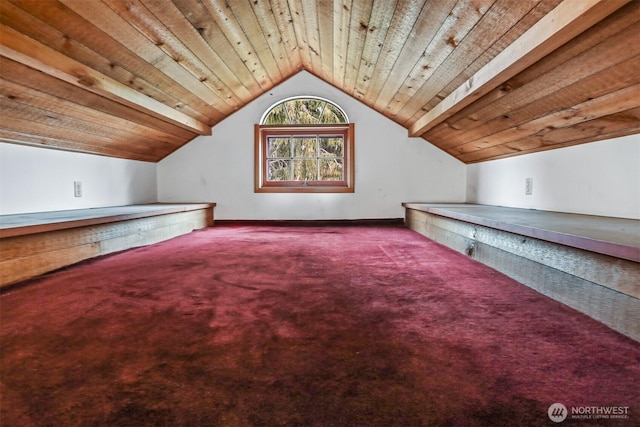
[481,79]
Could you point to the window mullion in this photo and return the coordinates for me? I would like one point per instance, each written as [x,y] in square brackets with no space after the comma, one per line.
[286,110]
[318,157]
[292,172]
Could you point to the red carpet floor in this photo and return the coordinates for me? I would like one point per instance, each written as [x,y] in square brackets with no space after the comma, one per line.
[302,326]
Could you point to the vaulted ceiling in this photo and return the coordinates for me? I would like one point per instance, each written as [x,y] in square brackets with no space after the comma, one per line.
[481,79]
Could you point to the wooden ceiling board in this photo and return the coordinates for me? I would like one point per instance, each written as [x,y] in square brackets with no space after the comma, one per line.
[140,78]
[461,20]
[292,10]
[430,19]
[610,103]
[106,55]
[613,126]
[47,85]
[586,69]
[592,39]
[360,12]
[261,63]
[569,100]
[29,52]
[30,97]
[342,17]
[533,16]
[313,34]
[596,35]
[560,26]
[58,118]
[401,34]
[280,14]
[375,30]
[503,23]
[42,141]
[213,38]
[62,111]
[74,139]
[165,26]
[150,61]
[270,32]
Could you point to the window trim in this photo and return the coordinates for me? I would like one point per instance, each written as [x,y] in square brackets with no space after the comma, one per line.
[260,161]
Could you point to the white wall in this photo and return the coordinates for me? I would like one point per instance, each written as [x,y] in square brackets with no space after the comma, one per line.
[390,168]
[598,178]
[36,180]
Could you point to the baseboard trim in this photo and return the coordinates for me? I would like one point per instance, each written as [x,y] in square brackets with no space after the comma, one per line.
[312,223]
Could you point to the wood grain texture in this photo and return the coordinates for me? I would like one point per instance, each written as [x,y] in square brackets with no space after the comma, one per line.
[167,70]
[615,237]
[49,246]
[617,274]
[601,295]
[554,30]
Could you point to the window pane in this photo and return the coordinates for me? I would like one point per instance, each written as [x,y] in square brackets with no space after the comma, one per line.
[305,170]
[314,107]
[331,170]
[331,146]
[307,111]
[279,170]
[278,115]
[292,111]
[300,113]
[304,147]
[279,147]
[333,115]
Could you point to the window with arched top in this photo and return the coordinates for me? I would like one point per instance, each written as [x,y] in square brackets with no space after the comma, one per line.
[304,145]
[304,111]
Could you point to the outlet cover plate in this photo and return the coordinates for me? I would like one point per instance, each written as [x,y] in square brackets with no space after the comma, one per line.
[528,186]
[77,188]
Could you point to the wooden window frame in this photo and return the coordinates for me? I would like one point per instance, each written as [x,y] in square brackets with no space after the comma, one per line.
[262,185]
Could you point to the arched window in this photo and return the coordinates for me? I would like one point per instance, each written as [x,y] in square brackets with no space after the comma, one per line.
[304,144]
[304,111]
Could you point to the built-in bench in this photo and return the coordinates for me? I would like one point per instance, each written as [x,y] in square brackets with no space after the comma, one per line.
[35,243]
[590,263]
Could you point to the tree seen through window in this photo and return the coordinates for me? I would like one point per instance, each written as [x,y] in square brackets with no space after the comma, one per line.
[305,158]
[305,111]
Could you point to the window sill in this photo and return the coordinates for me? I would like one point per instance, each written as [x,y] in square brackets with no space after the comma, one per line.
[301,189]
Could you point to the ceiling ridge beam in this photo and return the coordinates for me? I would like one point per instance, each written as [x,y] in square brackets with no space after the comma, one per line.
[562,24]
[29,52]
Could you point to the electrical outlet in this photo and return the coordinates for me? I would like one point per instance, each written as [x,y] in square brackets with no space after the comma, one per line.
[77,188]
[528,186]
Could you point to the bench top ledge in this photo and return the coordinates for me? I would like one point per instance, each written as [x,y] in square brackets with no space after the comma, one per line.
[39,222]
[617,237]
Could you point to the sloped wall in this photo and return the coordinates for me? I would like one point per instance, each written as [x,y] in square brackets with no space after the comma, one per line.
[599,178]
[390,168]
